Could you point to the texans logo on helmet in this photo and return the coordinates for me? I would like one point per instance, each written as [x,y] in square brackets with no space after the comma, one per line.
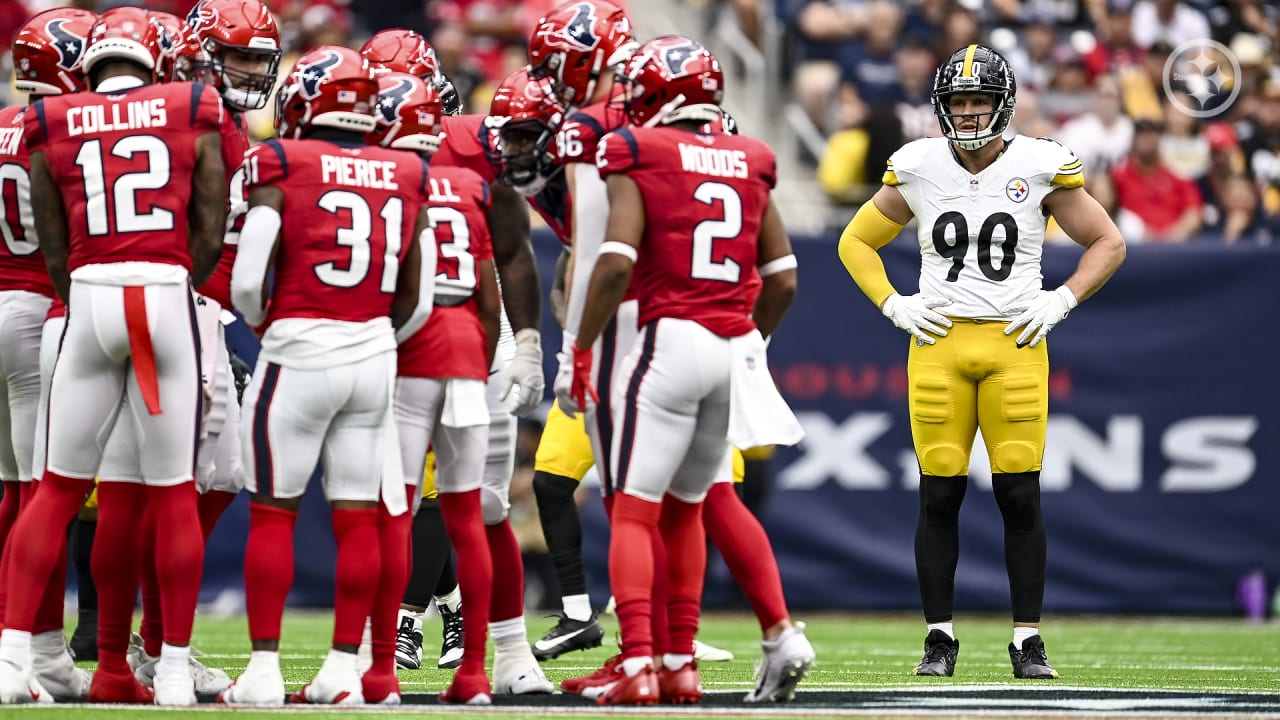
[581,29]
[675,58]
[310,76]
[166,41]
[201,16]
[391,100]
[70,47]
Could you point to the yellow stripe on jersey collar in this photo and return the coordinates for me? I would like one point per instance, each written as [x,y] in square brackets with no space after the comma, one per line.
[967,70]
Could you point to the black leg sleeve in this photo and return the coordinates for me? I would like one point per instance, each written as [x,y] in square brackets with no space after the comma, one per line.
[562,529]
[938,543]
[1025,541]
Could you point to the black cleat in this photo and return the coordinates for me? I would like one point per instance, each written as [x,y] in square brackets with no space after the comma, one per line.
[409,642]
[569,635]
[940,651]
[451,644]
[1030,663]
[84,641]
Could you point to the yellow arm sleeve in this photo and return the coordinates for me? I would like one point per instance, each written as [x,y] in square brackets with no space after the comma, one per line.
[867,232]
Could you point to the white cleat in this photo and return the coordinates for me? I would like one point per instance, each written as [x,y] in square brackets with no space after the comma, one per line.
[364,653]
[174,686]
[337,683]
[55,670]
[208,681]
[516,673]
[705,653]
[256,686]
[20,686]
[787,659]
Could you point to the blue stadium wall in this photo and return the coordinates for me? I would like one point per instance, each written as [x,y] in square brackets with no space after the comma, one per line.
[1160,482]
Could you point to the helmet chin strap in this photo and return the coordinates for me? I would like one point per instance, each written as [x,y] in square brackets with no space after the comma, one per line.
[700,112]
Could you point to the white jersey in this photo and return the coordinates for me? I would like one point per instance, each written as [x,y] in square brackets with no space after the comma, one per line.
[981,235]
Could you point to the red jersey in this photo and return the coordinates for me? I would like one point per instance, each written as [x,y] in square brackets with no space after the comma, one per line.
[466,145]
[453,343]
[705,197]
[21,264]
[349,213]
[123,162]
[235,143]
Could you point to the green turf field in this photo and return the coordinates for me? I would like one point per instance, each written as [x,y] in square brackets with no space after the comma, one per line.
[857,654]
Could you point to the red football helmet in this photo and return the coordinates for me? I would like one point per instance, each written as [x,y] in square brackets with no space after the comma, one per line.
[180,51]
[671,78]
[526,116]
[578,42]
[330,86]
[400,50]
[247,29]
[408,114]
[124,33]
[48,50]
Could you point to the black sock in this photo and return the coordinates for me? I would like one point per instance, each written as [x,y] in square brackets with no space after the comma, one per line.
[431,551]
[1025,541]
[562,529]
[938,543]
[754,488]
[82,532]
[448,581]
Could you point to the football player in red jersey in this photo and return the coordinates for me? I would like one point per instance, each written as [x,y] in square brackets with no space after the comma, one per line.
[442,371]
[712,279]
[234,46]
[345,273]
[128,193]
[400,50]
[515,387]
[46,52]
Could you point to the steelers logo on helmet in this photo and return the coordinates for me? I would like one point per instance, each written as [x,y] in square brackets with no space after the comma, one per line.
[974,69]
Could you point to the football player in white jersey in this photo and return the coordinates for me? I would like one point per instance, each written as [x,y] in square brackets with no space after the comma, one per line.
[981,199]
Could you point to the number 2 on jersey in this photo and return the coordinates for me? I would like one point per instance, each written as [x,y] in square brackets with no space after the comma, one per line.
[705,233]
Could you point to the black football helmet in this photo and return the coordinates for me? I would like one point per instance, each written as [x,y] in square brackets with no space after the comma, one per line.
[974,69]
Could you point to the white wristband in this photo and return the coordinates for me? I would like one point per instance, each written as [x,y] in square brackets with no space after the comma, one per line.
[618,248]
[777,265]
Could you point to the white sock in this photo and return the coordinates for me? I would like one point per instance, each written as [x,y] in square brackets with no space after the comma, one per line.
[451,600]
[339,660]
[1022,633]
[945,627]
[577,607]
[633,665]
[173,658]
[671,661]
[509,634]
[264,661]
[15,648]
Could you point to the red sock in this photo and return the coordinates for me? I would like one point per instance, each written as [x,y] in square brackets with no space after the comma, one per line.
[745,547]
[42,523]
[115,569]
[608,505]
[179,558]
[659,594]
[356,579]
[464,522]
[49,614]
[508,572]
[686,543]
[152,627]
[9,509]
[211,506]
[268,568]
[631,570]
[396,545]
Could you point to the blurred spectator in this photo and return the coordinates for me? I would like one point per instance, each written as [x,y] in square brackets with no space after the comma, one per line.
[1169,21]
[1183,148]
[1231,205]
[924,21]
[1116,49]
[452,46]
[916,67]
[1031,57]
[1251,53]
[1102,137]
[820,28]
[1068,95]
[1231,19]
[869,67]
[1168,205]
[12,15]
[1260,136]
[855,157]
[960,29]
[492,25]
[1029,120]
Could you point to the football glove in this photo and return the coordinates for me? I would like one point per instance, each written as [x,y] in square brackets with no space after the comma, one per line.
[915,314]
[525,384]
[573,378]
[1039,313]
[242,374]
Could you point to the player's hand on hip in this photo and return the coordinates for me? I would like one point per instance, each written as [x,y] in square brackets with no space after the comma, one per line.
[525,384]
[916,314]
[1038,314]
